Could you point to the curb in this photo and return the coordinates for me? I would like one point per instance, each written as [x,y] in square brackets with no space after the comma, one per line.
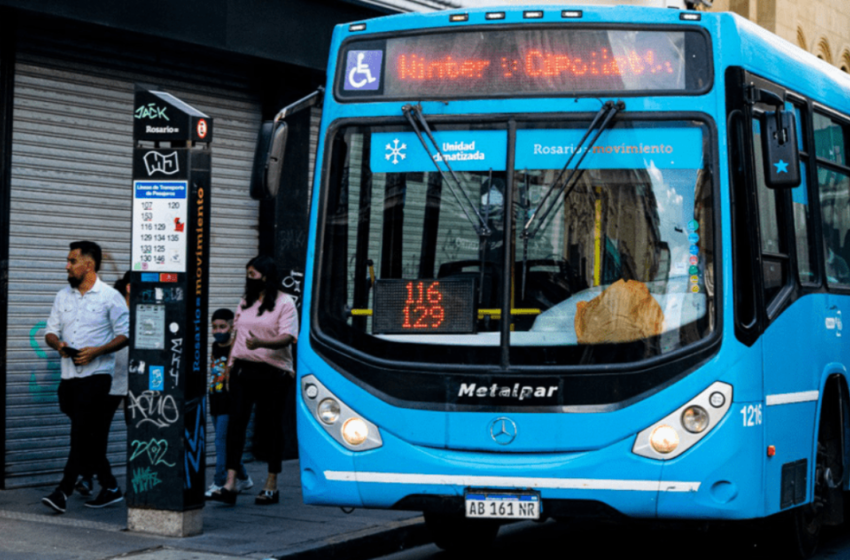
[365,544]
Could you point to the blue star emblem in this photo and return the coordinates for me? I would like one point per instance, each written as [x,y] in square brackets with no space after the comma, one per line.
[781,167]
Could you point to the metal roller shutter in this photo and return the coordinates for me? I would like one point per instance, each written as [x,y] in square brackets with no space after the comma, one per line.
[71,173]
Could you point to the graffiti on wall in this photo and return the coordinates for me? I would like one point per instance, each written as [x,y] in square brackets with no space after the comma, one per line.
[153,407]
[144,479]
[193,459]
[291,285]
[155,449]
[43,391]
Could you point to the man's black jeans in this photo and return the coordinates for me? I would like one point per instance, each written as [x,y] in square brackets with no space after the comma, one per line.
[85,402]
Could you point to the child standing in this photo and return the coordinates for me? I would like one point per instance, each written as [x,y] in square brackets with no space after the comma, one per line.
[222,328]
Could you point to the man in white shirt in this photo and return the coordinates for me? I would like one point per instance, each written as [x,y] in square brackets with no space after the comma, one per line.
[88,323]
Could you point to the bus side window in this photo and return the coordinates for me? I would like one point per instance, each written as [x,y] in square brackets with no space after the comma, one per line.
[774,248]
[800,208]
[834,194]
[806,252]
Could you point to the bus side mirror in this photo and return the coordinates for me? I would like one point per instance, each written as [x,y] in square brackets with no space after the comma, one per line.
[268,160]
[271,145]
[274,163]
[779,146]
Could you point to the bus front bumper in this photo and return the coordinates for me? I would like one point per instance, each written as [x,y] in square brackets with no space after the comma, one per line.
[719,478]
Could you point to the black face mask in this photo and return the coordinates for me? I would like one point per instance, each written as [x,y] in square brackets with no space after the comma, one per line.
[74,282]
[222,337]
[253,287]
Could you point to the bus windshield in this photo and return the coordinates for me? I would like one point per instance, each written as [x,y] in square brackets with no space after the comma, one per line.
[619,270]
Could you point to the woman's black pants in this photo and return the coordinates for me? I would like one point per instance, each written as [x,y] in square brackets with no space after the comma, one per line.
[264,385]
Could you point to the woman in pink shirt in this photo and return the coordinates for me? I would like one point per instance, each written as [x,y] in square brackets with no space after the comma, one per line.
[266,327]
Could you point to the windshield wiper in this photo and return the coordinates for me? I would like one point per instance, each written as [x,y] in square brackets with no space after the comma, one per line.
[480,226]
[604,117]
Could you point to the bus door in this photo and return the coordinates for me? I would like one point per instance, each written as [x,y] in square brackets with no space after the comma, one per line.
[791,312]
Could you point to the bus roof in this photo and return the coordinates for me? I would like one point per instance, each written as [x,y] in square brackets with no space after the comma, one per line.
[519,14]
[774,58]
[496,4]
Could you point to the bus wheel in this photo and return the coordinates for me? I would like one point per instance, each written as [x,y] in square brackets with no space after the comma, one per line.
[455,533]
[806,521]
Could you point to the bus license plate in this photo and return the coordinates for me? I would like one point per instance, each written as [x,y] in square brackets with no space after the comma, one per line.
[502,505]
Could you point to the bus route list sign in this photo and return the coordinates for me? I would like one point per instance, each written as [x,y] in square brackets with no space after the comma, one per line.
[159,226]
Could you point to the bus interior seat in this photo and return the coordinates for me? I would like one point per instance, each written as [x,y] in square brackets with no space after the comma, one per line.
[551,285]
[547,283]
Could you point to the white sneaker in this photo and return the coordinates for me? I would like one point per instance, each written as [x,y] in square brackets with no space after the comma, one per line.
[212,489]
[246,484]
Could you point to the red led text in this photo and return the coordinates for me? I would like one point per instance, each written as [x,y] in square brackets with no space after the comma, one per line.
[422,309]
[413,67]
[539,63]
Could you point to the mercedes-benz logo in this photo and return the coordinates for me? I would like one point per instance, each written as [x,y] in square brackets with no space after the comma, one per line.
[503,430]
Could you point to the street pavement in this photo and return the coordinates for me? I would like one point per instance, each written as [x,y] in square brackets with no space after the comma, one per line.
[293,531]
[290,529]
[657,541]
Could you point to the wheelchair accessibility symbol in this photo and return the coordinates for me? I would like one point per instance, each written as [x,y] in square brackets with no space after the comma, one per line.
[363,70]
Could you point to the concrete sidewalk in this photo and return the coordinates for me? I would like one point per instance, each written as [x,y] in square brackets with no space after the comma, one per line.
[288,530]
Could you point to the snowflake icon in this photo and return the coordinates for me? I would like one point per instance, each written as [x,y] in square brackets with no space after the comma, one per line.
[394,151]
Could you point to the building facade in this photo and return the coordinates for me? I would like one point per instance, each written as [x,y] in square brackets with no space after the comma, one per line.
[821,27]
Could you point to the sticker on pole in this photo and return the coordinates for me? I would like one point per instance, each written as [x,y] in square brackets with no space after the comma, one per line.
[202,129]
[150,327]
[159,226]
[157,378]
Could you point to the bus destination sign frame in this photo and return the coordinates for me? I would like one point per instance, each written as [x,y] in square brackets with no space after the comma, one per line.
[522,61]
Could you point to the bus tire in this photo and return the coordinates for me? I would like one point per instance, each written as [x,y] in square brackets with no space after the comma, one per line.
[456,533]
[805,531]
[803,524]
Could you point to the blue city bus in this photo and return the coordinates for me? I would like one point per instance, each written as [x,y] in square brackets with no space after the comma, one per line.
[577,262]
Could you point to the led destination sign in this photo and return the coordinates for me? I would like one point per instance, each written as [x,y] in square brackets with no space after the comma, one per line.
[424,306]
[525,62]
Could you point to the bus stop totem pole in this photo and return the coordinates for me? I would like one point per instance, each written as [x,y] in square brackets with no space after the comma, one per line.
[168,315]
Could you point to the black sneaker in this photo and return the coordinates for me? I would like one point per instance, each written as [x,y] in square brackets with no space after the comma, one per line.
[84,487]
[224,495]
[105,498]
[57,501]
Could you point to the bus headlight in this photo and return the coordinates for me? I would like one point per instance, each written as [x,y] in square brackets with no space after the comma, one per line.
[329,411]
[664,439]
[343,424]
[355,431]
[684,427]
[695,419]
